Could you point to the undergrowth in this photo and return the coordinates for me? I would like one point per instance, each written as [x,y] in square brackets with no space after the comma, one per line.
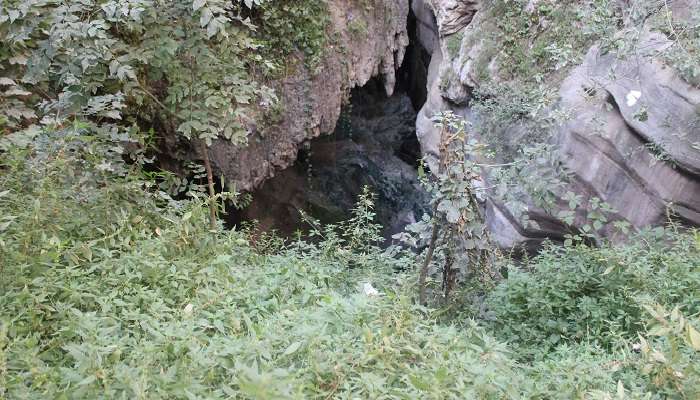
[111,289]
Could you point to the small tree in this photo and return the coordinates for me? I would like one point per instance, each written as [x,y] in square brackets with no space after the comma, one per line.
[181,65]
[456,235]
[458,242]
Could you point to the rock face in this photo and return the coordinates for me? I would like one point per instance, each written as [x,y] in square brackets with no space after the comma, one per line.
[454,15]
[638,153]
[363,43]
[632,137]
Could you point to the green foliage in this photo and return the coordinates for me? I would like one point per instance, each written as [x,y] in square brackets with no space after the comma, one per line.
[456,236]
[356,240]
[595,295]
[669,355]
[584,372]
[109,288]
[551,35]
[182,65]
[290,26]
[102,298]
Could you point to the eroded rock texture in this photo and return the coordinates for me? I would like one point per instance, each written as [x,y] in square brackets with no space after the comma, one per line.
[640,156]
[632,137]
[454,15]
[364,42]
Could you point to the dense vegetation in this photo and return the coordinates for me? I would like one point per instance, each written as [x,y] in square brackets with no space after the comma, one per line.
[193,69]
[110,288]
[115,285]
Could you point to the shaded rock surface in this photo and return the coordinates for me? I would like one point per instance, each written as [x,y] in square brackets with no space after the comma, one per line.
[363,43]
[641,156]
[373,145]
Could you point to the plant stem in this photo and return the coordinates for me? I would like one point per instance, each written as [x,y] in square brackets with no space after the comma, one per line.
[422,290]
[426,263]
[210,183]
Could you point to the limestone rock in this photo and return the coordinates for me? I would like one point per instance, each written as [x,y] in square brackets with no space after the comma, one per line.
[633,139]
[454,15]
[311,100]
[426,24]
[639,155]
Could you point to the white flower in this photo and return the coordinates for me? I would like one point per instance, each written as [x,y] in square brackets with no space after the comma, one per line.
[188,309]
[632,97]
[369,290]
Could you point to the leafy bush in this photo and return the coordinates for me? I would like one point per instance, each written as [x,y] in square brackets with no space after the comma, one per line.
[670,354]
[111,291]
[596,295]
[182,66]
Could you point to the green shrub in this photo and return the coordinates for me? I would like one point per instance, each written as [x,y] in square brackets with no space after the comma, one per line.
[109,291]
[595,295]
[183,66]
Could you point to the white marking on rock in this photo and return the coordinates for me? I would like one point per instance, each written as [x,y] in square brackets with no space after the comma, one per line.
[632,97]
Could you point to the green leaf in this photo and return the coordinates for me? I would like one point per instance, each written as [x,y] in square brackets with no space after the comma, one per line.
[419,383]
[197,4]
[693,337]
[292,348]
[206,17]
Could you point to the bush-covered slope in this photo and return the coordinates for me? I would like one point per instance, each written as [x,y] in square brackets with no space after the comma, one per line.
[110,289]
[597,295]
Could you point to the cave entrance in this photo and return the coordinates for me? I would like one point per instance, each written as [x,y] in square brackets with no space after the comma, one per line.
[374,144]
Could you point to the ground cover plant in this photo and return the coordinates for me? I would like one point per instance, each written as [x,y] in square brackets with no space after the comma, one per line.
[112,289]
[118,280]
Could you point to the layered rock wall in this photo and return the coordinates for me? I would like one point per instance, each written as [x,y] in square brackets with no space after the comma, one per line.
[631,136]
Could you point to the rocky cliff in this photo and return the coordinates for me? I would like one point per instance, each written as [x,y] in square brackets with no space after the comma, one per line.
[604,96]
[365,40]
[374,145]
[616,102]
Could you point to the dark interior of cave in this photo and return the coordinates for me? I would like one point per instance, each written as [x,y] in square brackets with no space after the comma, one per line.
[374,144]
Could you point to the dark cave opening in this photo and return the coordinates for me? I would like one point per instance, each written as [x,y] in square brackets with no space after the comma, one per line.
[374,144]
